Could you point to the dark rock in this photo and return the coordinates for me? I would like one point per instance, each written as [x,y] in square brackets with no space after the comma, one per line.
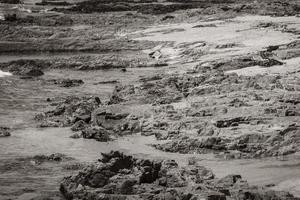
[119,176]
[204,25]
[10,1]
[27,68]
[76,136]
[66,82]
[107,82]
[97,133]
[167,17]
[57,157]
[10,17]
[79,125]
[53,3]
[4,132]
[232,122]
[70,111]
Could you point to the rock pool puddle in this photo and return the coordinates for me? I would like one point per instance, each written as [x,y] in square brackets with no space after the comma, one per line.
[283,172]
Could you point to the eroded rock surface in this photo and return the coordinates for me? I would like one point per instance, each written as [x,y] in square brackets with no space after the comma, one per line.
[120,176]
[4,131]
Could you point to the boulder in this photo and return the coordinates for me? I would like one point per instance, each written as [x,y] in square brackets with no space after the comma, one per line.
[4,131]
[120,176]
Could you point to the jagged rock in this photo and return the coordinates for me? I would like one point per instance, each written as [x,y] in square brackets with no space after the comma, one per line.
[70,111]
[79,125]
[4,132]
[97,133]
[121,123]
[232,122]
[167,17]
[28,68]
[119,176]
[57,157]
[66,82]
[192,145]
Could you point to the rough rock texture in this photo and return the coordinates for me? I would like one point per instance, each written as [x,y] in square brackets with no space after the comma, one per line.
[57,157]
[119,176]
[10,1]
[29,68]
[66,82]
[4,132]
[69,111]
[152,7]
[246,146]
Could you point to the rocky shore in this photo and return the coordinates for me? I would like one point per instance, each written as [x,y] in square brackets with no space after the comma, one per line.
[216,78]
[120,176]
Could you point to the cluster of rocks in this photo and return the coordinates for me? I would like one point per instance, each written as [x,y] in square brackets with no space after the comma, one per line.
[25,68]
[66,82]
[90,119]
[53,3]
[13,19]
[175,87]
[69,111]
[56,157]
[10,1]
[151,7]
[31,67]
[270,7]
[254,145]
[120,176]
[4,131]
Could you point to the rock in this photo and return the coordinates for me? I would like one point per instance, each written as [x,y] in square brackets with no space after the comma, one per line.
[27,68]
[120,176]
[75,136]
[32,72]
[229,180]
[193,145]
[85,117]
[57,157]
[10,17]
[10,1]
[204,25]
[49,123]
[107,82]
[4,132]
[70,111]
[79,125]
[167,17]
[97,133]
[231,122]
[66,82]
[53,3]
[121,123]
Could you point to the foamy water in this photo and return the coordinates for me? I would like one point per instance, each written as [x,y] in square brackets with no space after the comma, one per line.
[2,74]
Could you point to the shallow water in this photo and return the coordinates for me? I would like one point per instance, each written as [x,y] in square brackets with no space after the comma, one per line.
[21,99]
[284,172]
